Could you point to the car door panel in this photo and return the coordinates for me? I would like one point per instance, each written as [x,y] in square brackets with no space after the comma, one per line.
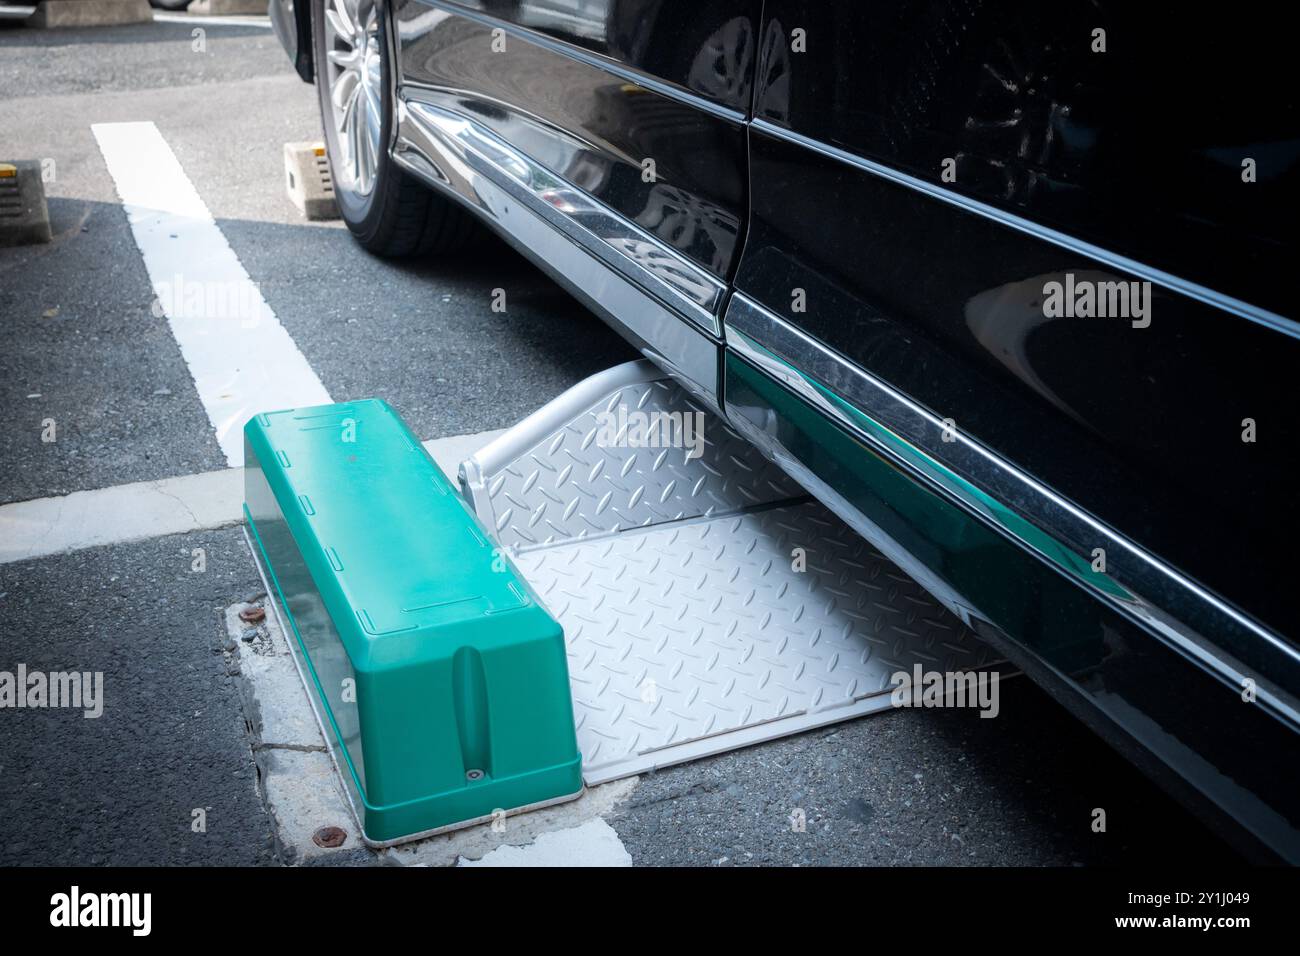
[1136,148]
[597,108]
[938,288]
[945,305]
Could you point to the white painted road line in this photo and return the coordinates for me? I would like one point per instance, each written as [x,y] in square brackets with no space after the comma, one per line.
[229,21]
[144,509]
[151,509]
[241,358]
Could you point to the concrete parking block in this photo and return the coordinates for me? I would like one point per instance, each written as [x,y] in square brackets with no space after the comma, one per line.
[307,177]
[24,218]
[89,13]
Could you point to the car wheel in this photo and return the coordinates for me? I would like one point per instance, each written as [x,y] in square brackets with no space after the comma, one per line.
[388,211]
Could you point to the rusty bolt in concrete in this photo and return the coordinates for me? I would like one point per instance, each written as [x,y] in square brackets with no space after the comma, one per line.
[329,837]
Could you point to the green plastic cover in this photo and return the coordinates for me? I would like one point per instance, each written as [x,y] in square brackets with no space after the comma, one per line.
[441,676]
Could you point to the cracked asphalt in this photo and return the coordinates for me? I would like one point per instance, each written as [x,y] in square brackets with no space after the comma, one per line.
[80,345]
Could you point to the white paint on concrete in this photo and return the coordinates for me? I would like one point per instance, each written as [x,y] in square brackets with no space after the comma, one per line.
[233,20]
[593,843]
[242,359]
[134,512]
[474,843]
[151,509]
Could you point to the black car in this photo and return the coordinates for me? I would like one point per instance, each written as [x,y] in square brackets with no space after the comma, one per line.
[1005,286]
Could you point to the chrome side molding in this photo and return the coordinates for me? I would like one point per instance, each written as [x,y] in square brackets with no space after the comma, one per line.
[1136,583]
[645,300]
[427,131]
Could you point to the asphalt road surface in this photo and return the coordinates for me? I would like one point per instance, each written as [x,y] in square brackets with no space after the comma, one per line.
[79,344]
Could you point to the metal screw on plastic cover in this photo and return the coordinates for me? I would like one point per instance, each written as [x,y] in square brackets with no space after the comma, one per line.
[473,774]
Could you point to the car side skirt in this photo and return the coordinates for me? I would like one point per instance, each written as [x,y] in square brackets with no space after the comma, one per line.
[595,254]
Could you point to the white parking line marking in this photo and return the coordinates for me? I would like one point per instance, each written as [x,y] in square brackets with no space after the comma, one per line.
[134,512]
[228,21]
[151,509]
[241,358]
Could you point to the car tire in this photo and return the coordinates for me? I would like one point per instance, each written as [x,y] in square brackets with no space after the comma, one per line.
[389,212]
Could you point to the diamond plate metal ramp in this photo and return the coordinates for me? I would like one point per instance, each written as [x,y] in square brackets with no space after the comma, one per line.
[571,470]
[707,602]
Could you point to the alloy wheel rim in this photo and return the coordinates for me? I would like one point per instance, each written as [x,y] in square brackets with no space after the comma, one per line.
[355,74]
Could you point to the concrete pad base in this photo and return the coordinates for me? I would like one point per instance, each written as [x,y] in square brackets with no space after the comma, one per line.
[24,218]
[226,8]
[594,843]
[307,177]
[302,787]
[89,13]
